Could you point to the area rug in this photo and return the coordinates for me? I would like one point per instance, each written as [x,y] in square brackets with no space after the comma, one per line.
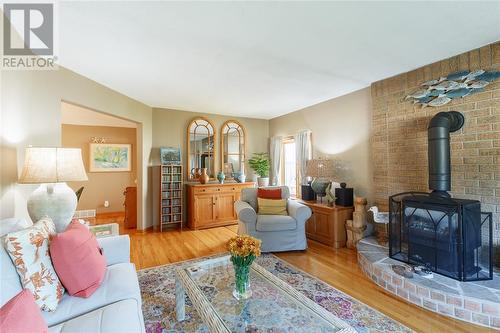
[158,296]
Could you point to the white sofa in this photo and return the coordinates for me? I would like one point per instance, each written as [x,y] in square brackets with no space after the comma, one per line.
[114,307]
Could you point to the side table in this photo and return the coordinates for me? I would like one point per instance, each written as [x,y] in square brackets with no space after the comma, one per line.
[327,224]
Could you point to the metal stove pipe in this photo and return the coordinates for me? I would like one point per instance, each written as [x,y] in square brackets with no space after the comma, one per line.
[438,132]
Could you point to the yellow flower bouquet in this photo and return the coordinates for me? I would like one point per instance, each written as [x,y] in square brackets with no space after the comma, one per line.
[243,249]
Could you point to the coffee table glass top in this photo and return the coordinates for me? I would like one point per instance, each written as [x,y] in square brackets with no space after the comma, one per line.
[273,307]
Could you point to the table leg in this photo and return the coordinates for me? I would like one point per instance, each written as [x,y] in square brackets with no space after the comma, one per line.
[180,301]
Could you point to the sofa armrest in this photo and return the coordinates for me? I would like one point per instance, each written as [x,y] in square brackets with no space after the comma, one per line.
[298,211]
[116,249]
[245,212]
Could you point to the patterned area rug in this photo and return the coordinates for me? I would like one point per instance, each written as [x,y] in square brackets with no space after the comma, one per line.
[158,295]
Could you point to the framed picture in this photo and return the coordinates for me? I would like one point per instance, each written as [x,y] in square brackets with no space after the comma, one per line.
[110,157]
[170,155]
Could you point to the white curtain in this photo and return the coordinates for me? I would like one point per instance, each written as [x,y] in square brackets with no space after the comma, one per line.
[275,157]
[303,153]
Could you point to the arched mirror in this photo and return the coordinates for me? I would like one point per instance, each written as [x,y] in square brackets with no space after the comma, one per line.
[201,149]
[233,148]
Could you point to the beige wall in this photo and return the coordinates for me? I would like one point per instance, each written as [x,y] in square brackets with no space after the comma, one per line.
[31,115]
[170,128]
[101,186]
[341,130]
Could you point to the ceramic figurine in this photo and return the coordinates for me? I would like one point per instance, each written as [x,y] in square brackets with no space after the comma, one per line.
[458,76]
[235,174]
[488,76]
[479,84]
[472,76]
[418,94]
[433,82]
[204,177]
[220,177]
[330,195]
[459,93]
[440,101]
[241,178]
[381,224]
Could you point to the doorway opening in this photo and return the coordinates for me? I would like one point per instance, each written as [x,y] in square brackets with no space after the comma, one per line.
[109,152]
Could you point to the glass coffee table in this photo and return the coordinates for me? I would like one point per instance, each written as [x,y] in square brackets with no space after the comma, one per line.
[273,306]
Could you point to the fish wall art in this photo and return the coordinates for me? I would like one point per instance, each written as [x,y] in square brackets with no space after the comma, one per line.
[456,85]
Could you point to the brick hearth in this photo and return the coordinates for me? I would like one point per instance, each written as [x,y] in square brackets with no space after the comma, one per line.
[475,302]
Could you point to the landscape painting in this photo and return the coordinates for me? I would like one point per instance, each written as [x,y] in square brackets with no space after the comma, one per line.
[170,155]
[110,157]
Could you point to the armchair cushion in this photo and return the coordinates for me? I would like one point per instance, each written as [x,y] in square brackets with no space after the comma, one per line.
[275,223]
[250,195]
[245,212]
[269,193]
[272,206]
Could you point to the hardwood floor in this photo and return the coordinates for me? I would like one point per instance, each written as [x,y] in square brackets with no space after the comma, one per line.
[338,268]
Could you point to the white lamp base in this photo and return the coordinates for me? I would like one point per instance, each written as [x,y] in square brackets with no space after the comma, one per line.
[57,201]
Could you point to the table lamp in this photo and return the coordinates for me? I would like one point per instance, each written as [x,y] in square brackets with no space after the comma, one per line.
[51,168]
[322,171]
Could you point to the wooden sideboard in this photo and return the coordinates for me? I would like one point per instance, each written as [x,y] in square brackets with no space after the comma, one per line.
[212,205]
[327,224]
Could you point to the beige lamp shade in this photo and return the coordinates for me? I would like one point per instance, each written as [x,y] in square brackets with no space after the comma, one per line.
[52,165]
[320,168]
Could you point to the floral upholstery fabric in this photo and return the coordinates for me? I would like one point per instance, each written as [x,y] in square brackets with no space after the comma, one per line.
[29,251]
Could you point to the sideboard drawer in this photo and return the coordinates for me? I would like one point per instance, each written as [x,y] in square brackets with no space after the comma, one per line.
[207,190]
[217,189]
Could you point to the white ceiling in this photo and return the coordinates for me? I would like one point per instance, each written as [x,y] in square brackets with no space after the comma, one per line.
[262,59]
[76,115]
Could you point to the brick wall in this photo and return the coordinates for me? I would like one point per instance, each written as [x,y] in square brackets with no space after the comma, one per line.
[399,139]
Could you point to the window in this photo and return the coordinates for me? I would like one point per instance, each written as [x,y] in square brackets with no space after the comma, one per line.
[289,166]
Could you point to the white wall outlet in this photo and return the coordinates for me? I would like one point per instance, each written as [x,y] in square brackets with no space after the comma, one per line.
[106,203]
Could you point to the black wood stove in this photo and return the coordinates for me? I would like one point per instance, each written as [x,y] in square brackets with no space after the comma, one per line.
[449,236]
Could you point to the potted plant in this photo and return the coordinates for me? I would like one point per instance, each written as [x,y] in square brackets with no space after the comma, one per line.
[261,165]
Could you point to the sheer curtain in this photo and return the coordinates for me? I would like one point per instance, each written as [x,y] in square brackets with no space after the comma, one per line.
[303,151]
[275,157]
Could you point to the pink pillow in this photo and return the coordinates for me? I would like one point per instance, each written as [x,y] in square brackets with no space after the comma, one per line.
[21,314]
[77,260]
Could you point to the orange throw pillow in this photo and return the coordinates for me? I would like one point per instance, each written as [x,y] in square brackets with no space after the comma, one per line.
[77,259]
[269,193]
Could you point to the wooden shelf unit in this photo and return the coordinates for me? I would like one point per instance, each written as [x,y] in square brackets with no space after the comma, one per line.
[168,196]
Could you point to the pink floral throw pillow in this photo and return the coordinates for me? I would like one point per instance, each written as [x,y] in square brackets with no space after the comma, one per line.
[29,250]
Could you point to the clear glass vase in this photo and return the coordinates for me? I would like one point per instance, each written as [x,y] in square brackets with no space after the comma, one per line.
[241,282]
